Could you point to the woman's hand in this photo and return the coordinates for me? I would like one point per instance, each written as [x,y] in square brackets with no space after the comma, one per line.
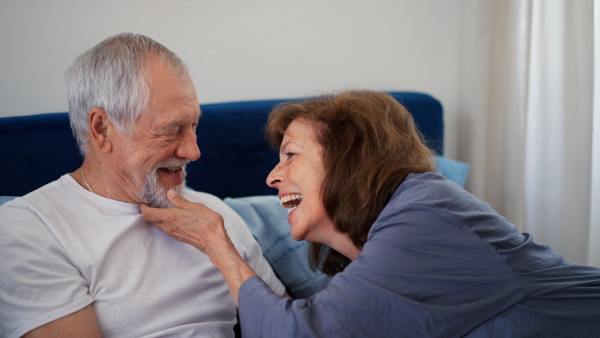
[198,225]
[188,222]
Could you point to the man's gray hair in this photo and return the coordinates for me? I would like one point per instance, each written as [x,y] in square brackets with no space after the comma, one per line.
[113,76]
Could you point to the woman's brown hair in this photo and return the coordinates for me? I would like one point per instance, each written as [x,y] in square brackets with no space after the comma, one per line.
[370,144]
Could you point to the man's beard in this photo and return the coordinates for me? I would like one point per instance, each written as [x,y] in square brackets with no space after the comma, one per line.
[153,193]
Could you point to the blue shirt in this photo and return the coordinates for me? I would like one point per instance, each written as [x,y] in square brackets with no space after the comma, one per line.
[438,262]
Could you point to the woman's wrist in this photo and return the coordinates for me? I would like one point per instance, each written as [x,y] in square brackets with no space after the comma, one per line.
[234,268]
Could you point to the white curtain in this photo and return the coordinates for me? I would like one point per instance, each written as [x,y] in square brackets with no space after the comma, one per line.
[594,242]
[529,121]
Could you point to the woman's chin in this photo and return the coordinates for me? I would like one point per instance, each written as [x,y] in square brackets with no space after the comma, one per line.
[295,235]
[297,238]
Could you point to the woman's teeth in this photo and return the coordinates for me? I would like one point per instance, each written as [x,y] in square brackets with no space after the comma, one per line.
[291,201]
[292,208]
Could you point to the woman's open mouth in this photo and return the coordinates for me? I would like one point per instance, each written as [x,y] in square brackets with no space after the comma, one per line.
[290,201]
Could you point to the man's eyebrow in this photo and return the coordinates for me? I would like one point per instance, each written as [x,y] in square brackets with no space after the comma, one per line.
[177,123]
[171,125]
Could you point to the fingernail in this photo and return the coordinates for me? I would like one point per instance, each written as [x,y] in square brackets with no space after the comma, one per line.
[172,193]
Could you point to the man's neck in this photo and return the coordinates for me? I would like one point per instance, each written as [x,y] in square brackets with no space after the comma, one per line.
[101,181]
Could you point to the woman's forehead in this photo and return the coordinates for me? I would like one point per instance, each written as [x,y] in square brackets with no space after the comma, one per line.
[300,128]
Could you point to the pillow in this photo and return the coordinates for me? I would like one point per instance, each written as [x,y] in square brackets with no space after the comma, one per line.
[4,199]
[452,169]
[267,221]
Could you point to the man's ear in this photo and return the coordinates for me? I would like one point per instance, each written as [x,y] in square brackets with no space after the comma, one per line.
[101,129]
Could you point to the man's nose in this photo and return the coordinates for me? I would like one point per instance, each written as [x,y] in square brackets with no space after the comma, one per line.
[188,148]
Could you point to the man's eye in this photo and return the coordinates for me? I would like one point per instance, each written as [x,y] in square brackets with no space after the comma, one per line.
[290,155]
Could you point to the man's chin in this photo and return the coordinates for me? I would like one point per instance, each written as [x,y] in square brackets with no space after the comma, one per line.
[159,203]
[158,199]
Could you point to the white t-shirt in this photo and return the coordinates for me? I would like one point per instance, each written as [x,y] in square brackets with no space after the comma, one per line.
[63,247]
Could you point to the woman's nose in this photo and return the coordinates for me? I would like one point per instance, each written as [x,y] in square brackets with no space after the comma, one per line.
[273,179]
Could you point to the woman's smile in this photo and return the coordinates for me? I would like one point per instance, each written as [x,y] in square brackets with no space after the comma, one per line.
[299,176]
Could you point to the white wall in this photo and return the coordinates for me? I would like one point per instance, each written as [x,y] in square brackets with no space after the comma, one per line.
[239,50]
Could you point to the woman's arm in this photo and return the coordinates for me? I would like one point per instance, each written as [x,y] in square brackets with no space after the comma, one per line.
[201,227]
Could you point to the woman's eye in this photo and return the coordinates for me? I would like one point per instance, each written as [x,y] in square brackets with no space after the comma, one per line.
[290,155]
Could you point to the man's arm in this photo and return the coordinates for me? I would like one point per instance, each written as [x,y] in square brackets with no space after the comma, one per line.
[82,323]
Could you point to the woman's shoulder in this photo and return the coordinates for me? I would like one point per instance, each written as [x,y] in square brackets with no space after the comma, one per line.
[430,181]
[428,198]
[436,191]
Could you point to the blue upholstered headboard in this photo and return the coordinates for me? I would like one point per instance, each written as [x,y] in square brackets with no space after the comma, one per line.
[235,161]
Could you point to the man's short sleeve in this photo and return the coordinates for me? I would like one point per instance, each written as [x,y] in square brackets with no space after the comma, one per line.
[38,284]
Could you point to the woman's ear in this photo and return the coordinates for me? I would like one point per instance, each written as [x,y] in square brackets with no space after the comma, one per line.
[100,129]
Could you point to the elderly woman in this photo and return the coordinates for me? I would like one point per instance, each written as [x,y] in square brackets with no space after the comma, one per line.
[411,252]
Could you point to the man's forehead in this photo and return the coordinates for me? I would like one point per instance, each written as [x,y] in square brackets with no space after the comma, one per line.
[166,119]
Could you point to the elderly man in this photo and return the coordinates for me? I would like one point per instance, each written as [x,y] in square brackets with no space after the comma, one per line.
[76,257]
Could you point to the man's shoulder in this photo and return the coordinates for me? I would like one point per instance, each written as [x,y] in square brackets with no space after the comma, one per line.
[26,216]
[201,197]
[210,200]
[49,193]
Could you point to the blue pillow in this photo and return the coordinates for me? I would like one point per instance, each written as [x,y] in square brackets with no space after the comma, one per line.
[452,169]
[4,199]
[267,221]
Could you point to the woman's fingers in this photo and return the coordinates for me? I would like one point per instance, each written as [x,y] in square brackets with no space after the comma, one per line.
[163,217]
[200,210]
[188,222]
[177,200]
[203,228]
